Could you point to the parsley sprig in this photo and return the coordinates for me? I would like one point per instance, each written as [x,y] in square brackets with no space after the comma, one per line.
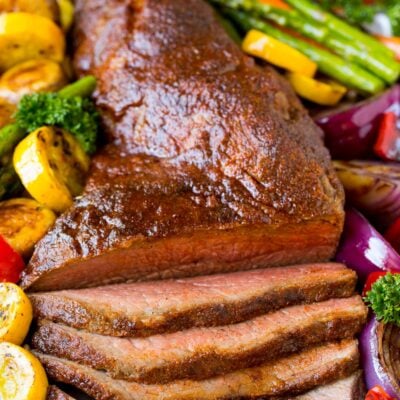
[384,298]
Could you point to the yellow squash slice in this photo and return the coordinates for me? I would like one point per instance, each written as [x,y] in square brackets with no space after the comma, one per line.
[25,36]
[16,314]
[45,8]
[23,222]
[52,166]
[31,76]
[324,93]
[22,377]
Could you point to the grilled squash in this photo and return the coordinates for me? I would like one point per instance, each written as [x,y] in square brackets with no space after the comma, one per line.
[45,8]
[7,109]
[25,36]
[16,313]
[23,222]
[31,76]
[22,377]
[52,166]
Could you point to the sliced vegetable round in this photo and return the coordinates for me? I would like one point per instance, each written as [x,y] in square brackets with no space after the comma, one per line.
[25,36]
[23,222]
[45,8]
[16,313]
[327,94]
[260,45]
[31,76]
[380,355]
[52,166]
[22,377]
[11,263]
[364,249]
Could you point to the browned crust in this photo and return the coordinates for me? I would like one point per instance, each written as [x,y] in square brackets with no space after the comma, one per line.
[296,377]
[356,390]
[54,393]
[71,344]
[86,316]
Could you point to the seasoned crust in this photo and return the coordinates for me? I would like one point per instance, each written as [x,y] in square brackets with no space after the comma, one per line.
[292,375]
[170,306]
[212,165]
[201,353]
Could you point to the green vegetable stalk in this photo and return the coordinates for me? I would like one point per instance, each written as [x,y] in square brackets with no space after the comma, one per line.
[68,109]
[340,27]
[384,298]
[344,71]
[379,64]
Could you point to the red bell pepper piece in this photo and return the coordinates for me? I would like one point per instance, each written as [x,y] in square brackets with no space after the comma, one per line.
[387,145]
[392,235]
[377,393]
[372,278]
[11,263]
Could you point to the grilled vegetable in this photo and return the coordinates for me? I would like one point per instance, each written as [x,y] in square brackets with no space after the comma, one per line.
[377,393]
[379,355]
[16,313]
[350,131]
[327,94]
[393,43]
[52,166]
[349,74]
[22,377]
[392,234]
[66,13]
[31,76]
[387,145]
[376,62]
[275,52]
[23,222]
[45,8]
[26,36]
[11,263]
[364,249]
[373,188]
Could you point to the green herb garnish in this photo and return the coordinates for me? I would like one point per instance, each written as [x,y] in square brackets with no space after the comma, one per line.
[384,298]
[74,114]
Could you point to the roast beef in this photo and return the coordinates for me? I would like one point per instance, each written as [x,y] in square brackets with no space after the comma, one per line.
[54,393]
[213,165]
[351,388]
[142,309]
[294,374]
[201,353]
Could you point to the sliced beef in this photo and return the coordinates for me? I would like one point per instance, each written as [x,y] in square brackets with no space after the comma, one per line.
[142,309]
[213,165]
[201,353]
[54,393]
[294,374]
[351,388]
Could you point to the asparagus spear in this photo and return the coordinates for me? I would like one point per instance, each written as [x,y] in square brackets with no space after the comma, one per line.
[346,72]
[84,87]
[340,27]
[382,66]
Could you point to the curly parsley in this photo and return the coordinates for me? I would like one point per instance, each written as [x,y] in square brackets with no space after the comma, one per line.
[384,298]
[74,114]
